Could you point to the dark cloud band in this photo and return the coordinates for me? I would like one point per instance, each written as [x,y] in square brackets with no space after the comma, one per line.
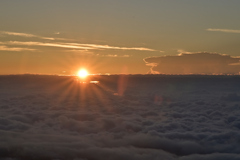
[196,63]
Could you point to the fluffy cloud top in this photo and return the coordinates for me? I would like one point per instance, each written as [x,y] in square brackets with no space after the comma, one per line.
[156,117]
[195,63]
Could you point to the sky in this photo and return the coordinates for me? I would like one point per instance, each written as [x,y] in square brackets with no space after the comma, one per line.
[111,36]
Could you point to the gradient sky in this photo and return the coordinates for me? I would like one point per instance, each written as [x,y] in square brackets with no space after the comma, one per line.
[111,36]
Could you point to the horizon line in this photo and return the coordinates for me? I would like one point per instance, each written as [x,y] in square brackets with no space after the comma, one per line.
[148,74]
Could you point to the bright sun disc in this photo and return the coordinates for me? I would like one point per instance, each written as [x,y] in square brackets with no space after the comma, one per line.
[83,73]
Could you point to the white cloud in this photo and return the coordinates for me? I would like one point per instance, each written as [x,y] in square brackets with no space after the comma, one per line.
[29,35]
[60,45]
[73,46]
[97,46]
[80,46]
[18,34]
[5,48]
[223,30]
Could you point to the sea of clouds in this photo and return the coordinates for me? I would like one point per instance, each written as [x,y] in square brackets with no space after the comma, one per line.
[122,117]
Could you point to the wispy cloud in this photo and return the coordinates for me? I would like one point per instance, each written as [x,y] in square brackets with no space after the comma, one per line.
[5,48]
[74,46]
[29,35]
[18,34]
[96,46]
[60,45]
[223,30]
[66,45]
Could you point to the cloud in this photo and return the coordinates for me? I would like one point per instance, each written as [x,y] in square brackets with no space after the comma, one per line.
[73,46]
[5,48]
[96,46]
[80,46]
[66,45]
[194,63]
[215,156]
[18,34]
[57,118]
[231,97]
[59,45]
[28,35]
[223,30]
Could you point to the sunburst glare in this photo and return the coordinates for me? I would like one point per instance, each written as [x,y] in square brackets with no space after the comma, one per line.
[83,73]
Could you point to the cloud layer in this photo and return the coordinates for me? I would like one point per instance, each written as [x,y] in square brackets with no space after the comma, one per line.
[156,117]
[194,63]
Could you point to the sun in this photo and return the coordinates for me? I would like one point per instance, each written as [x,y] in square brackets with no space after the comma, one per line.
[83,73]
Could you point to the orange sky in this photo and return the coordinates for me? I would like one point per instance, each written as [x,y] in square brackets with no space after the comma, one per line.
[59,37]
